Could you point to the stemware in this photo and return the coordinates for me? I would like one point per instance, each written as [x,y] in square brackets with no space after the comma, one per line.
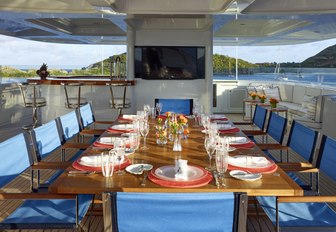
[205,120]
[210,147]
[107,163]
[144,129]
[158,107]
[222,162]
[196,113]
[119,147]
[147,109]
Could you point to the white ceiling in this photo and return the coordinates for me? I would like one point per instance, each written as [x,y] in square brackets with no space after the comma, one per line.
[242,22]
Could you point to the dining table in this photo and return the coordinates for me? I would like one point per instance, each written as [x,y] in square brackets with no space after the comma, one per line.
[273,182]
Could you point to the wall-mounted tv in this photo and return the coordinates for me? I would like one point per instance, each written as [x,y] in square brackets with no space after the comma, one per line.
[169,62]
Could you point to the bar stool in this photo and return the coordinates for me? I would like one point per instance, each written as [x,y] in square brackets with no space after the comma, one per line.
[74,100]
[119,103]
[32,99]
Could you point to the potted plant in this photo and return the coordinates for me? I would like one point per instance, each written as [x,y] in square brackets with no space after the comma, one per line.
[43,71]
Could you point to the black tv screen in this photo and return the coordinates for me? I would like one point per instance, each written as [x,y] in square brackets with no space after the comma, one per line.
[163,62]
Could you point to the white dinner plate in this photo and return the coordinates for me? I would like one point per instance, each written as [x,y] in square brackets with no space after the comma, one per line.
[138,169]
[106,140]
[250,161]
[122,127]
[238,140]
[242,175]
[226,127]
[168,173]
[94,161]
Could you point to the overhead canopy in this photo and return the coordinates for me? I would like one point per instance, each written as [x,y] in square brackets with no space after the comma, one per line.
[241,22]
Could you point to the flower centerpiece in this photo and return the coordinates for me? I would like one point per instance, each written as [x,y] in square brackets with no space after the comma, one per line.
[262,98]
[43,71]
[179,127]
[253,95]
[273,102]
[161,133]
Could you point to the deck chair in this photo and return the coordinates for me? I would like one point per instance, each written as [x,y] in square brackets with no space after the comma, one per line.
[275,129]
[301,140]
[46,139]
[308,213]
[179,106]
[166,212]
[38,211]
[69,127]
[87,119]
[259,121]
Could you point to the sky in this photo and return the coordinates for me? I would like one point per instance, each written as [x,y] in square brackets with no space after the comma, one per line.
[30,54]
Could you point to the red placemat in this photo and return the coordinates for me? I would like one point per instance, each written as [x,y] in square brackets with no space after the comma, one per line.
[180,184]
[81,167]
[127,120]
[218,119]
[233,130]
[263,170]
[98,144]
[250,144]
[162,116]
[119,131]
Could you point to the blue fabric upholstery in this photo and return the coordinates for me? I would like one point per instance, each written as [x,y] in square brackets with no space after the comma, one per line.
[302,140]
[180,106]
[326,160]
[47,139]
[276,127]
[70,125]
[259,117]
[14,158]
[166,212]
[86,115]
[36,214]
[312,216]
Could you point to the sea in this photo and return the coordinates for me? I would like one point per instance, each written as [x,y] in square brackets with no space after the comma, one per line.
[321,76]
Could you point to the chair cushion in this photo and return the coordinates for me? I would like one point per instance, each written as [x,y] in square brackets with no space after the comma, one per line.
[46,212]
[119,102]
[74,100]
[313,216]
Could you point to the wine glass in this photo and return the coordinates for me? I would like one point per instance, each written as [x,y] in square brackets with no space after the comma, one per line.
[205,120]
[119,147]
[196,112]
[222,162]
[144,129]
[107,163]
[210,147]
[158,107]
[147,109]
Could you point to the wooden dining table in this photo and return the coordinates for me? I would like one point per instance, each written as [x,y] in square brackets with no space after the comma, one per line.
[273,184]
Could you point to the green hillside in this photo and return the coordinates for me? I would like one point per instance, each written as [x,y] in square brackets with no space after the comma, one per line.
[324,59]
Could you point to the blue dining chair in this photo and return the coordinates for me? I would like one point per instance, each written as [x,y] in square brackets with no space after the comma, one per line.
[179,212]
[180,106]
[38,211]
[307,213]
[275,129]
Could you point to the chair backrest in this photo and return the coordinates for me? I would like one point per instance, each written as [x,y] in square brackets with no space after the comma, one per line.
[69,125]
[180,106]
[166,212]
[46,139]
[276,127]
[326,160]
[73,100]
[86,115]
[259,117]
[302,140]
[14,155]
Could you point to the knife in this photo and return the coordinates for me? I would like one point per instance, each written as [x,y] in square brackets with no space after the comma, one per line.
[215,175]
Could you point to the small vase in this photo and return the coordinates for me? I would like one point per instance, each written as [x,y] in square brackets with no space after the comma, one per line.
[262,100]
[273,105]
[177,143]
[161,141]
[253,97]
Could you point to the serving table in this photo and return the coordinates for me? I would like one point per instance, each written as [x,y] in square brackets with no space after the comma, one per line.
[273,184]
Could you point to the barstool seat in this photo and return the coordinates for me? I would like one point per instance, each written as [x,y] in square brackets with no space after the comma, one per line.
[74,101]
[117,90]
[40,101]
[119,103]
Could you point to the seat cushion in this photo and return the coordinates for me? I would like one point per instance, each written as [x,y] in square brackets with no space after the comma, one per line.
[46,212]
[74,100]
[119,103]
[312,216]
[40,101]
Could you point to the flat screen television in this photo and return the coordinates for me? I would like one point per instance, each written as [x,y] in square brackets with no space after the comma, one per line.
[169,62]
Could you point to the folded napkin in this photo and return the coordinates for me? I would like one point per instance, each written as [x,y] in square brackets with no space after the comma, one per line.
[181,169]
[129,117]
[248,160]
[225,127]
[107,140]
[94,160]
[237,140]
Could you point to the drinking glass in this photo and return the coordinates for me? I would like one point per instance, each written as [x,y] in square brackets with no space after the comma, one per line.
[158,107]
[196,113]
[107,163]
[222,162]
[210,147]
[144,129]
[205,120]
[119,146]
[147,109]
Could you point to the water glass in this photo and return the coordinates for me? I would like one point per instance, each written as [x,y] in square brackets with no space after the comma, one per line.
[119,147]
[210,147]
[158,107]
[152,112]
[147,109]
[222,161]
[144,130]
[107,163]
